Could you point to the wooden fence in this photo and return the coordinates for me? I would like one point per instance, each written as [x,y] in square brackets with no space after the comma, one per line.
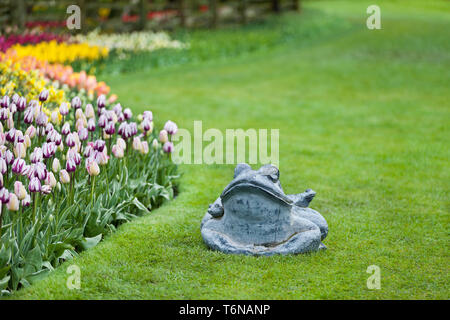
[141,14]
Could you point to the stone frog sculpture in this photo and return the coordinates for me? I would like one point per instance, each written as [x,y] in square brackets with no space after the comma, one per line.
[253,216]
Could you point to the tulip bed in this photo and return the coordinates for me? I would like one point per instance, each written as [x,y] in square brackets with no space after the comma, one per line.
[65,184]
[74,164]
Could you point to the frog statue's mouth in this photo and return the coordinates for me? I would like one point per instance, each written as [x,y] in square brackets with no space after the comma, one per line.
[247,185]
[265,180]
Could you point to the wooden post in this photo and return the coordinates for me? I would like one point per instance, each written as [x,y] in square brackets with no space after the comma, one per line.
[213,11]
[83,9]
[182,10]
[142,14]
[296,5]
[243,11]
[276,6]
[21,13]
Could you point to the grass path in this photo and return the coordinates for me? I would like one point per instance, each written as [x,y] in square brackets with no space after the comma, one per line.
[364,121]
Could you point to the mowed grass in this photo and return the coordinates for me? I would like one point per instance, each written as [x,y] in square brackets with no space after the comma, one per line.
[364,121]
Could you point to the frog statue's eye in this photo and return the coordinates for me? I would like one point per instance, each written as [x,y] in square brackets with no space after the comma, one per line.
[271,172]
[240,168]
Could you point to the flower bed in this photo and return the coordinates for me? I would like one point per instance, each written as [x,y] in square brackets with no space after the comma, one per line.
[73,163]
[68,180]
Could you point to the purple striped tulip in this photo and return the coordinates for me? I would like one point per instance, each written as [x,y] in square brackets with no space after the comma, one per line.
[76,103]
[34,185]
[18,166]
[4,195]
[43,96]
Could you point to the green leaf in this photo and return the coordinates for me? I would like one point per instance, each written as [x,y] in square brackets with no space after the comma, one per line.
[88,243]
[4,271]
[38,275]
[4,283]
[140,205]
[33,261]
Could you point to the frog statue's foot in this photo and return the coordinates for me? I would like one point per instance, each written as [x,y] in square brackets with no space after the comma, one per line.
[253,216]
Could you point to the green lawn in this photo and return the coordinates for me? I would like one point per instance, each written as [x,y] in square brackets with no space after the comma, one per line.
[364,119]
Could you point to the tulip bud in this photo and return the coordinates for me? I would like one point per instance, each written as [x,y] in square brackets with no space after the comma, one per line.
[65,130]
[20,190]
[10,122]
[102,120]
[163,136]
[64,176]
[55,117]
[137,143]
[20,150]
[117,109]
[64,109]
[49,149]
[27,141]
[70,165]
[155,144]
[78,114]
[89,111]
[4,102]
[12,108]
[168,147]
[28,117]
[171,127]
[56,165]
[21,104]
[76,103]
[144,145]
[40,170]
[34,185]
[93,168]
[70,140]
[46,189]
[101,101]
[109,128]
[31,131]
[3,166]
[43,96]
[4,195]
[99,145]
[91,125]
[117,151]
[50,180]
[18,166]
[127,113]
[27,201]
[36,155]
[9,157]
[148,115]
[13,203]
[121,143]
[83,134]
[42,119]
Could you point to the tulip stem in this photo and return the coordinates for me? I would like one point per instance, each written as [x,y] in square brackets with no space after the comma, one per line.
[92,189]
[34,206]
[18,120]
[1,219]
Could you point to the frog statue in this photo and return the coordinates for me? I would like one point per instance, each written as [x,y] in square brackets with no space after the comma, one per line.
[253,216]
